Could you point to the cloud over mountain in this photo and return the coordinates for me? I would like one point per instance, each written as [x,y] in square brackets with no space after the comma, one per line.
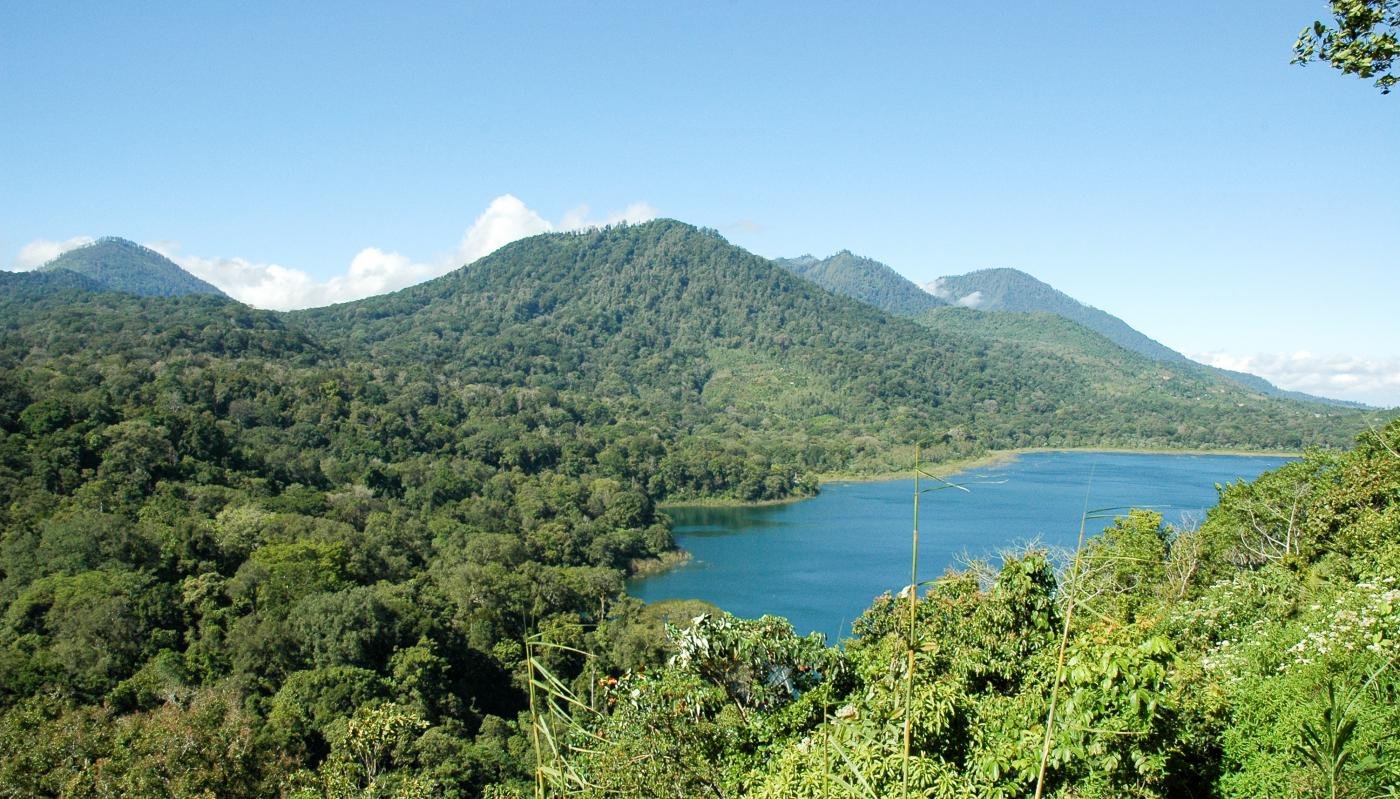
[39,252]
[1371,380]
[372,271]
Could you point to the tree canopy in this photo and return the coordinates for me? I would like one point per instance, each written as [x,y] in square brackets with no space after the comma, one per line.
[1363,39]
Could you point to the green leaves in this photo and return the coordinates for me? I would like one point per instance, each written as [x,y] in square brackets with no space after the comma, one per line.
[1363,41]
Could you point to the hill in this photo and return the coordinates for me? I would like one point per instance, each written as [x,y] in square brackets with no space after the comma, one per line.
[665,321]
[864,279]
[876,284]
[1013,290]
[119,265]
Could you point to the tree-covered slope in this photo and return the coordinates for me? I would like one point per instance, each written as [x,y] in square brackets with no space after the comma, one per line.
[665,321]
[227,553]
[120,265]
[864,279]
[1013,290]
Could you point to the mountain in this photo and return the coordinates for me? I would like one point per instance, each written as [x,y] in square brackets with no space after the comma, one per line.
[1257,383]
[1009,290]
[665,321]
[1013,290]
[115,264]
[864,279]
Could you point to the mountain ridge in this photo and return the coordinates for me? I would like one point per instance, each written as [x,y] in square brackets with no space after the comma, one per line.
[864,279]
[117,264]
[663,315]
[1011,291]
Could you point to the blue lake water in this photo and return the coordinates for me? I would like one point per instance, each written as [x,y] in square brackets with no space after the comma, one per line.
[821,561]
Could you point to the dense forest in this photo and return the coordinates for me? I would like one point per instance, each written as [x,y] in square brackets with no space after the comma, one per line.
[334,553]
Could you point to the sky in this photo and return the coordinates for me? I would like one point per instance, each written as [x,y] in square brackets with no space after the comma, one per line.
[1163,162]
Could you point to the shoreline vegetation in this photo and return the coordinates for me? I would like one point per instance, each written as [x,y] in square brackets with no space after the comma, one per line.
[650,567]
[946,468]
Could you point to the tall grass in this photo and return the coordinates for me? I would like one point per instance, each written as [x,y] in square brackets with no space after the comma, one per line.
[913,590]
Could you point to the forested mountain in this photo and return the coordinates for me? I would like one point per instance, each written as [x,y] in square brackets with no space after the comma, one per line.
[666,321]
[120,265]
[1013,290]
[1007,290]
[865,279]
[246,553]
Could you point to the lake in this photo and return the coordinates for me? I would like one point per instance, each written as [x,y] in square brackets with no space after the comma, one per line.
[821,561]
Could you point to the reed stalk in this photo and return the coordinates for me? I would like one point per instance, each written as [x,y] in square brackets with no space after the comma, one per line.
[914,612]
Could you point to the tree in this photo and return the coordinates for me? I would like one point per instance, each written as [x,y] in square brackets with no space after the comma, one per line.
[1363,43]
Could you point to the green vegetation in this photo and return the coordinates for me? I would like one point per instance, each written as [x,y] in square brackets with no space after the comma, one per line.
[1363,40]
[864,279]
[1006,293]
[120,265]
[255,554]
[1013,290]
[1258,655]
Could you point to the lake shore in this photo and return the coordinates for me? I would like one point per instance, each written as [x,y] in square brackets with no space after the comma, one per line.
[1001,456]
[947,468]
[820,562]
[678,557]
[666,561]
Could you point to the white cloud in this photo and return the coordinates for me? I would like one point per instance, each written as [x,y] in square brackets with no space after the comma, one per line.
[376,271]
[577,218]
[39,252]
[505,220]
[1371,380]
[971,300]
[939,288]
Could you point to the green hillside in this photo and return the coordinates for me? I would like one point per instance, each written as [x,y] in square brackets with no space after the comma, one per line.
[120,265]
[1013,290]
[864,279]
[666,321]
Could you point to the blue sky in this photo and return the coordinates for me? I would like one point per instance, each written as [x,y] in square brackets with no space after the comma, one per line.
[1161,161]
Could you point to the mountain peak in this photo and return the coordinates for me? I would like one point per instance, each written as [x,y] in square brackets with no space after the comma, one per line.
[1004,289]
[117,264]
[864,279]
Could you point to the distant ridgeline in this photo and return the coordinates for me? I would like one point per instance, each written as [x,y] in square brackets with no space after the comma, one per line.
[1005,290]
[249,553]
[116,264]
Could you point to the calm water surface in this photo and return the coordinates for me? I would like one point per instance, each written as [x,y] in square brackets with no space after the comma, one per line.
[820,562]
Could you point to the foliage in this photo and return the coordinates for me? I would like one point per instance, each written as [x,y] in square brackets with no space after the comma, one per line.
[1364,40]
[864,279]
[1242,677]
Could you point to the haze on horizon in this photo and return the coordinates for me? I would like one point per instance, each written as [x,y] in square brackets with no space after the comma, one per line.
[1166,165]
